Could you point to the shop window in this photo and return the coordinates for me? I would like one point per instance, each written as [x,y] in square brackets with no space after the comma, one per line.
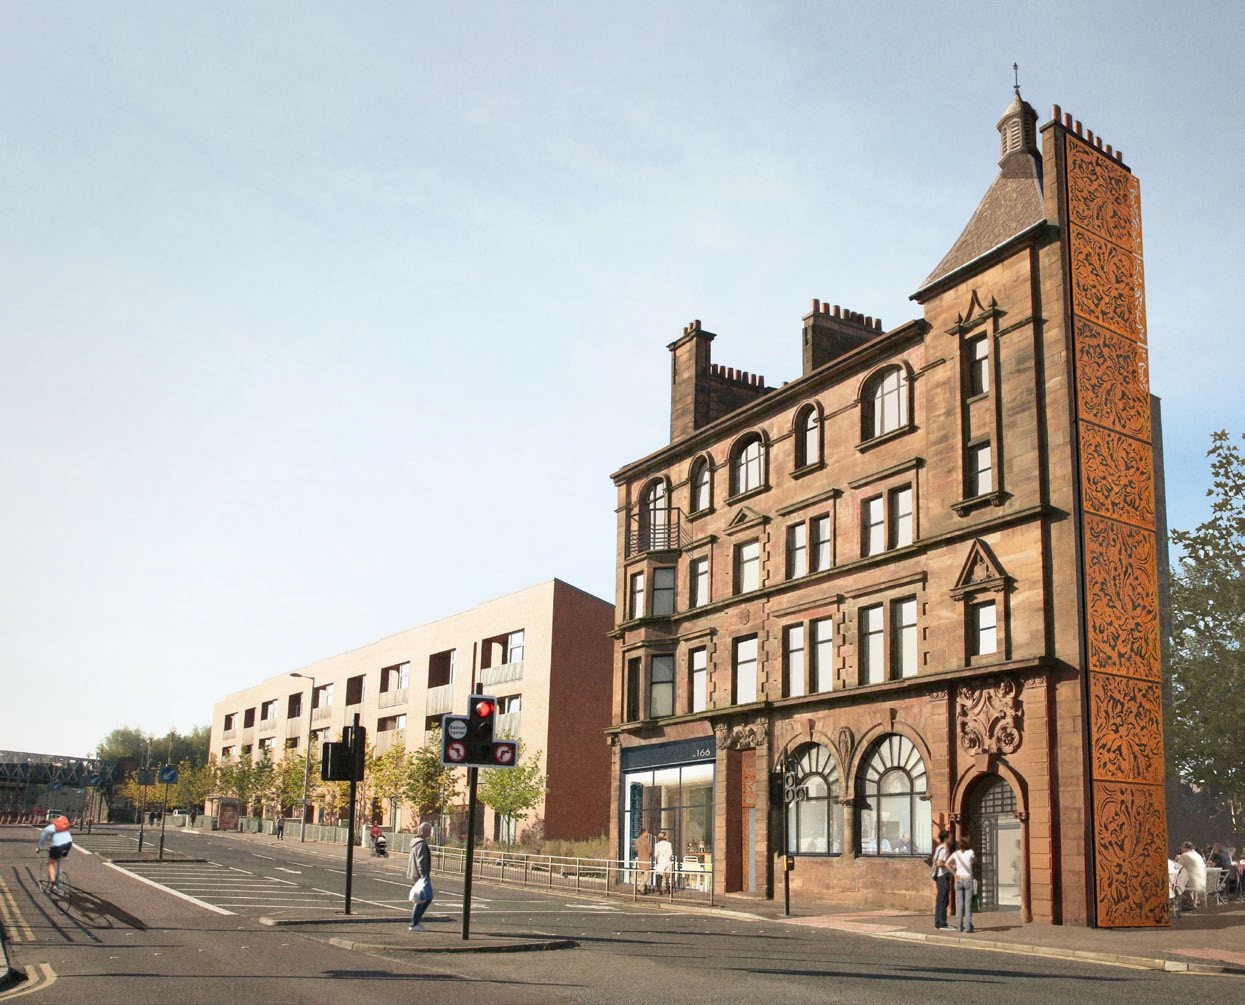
[663,592]
[815,819]
[745,667]
[894,820]
[678,800]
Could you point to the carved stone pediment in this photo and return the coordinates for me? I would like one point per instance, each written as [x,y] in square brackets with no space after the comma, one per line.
[990,716]
[981,573]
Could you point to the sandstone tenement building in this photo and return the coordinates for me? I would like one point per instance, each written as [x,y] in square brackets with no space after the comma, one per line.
[920,577]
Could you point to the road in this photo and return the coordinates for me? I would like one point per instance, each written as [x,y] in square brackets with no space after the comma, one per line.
[136,942]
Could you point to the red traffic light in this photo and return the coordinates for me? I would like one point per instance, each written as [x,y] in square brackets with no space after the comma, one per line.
[484,709]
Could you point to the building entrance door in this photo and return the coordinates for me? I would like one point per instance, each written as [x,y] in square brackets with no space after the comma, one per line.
[995,833]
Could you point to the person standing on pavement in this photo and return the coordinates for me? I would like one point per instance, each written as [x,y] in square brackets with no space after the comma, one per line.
[419,871]
[644,856]
[663,863]
[280,827]
[942,877]
[961,861]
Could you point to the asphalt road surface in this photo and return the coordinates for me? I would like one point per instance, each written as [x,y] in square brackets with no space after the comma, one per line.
[189,932]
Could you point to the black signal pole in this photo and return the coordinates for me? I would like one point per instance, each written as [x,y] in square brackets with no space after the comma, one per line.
[471,843]
[356,756]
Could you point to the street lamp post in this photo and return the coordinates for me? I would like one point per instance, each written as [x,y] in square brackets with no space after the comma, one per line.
[302,827]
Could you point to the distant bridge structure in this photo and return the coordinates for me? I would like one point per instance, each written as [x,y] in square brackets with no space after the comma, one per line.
[18,768]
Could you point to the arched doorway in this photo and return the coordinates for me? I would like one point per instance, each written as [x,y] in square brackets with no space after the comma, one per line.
[995,831]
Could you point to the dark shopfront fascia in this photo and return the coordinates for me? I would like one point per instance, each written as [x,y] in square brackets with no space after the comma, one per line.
[669,786]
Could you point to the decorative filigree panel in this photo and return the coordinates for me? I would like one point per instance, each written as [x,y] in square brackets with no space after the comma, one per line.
[1117,476]
[1122,594]
[1103,197]
[1108,285]
[1113,380]
[1130,836]
[989,716]
[1126,718]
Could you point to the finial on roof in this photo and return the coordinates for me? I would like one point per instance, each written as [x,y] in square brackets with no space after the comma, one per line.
[1016,74]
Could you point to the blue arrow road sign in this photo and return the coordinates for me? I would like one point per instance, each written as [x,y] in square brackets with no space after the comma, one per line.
[168,774]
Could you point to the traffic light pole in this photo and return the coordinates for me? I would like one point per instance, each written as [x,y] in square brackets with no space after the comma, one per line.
[471,850]
[354,785]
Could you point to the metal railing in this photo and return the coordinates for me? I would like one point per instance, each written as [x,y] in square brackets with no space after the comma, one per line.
[323,712]
[294,727]
[229,734]
[440,700]
[267,725]
[388,738]
[503,673]
[387,699]
[645,534]
[507,724]
[687,881]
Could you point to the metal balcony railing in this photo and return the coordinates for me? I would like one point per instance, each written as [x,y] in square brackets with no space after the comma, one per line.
[502,673]
[507,724]
[294,727]
[388,699]
[323,712]
[229,734]
[440,700]
[659,530]
[389,738]
[267,725]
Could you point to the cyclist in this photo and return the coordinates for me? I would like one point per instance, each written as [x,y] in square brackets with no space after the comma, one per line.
[59,842]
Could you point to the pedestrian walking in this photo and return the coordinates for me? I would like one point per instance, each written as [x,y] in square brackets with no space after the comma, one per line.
[419,869]
[961,861]
[663,863]
[280,828]
[643,857]
[941,874]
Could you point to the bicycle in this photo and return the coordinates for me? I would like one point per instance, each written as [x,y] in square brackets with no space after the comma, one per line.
[61,892]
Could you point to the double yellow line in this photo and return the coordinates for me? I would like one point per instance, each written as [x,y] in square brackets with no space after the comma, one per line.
[16,927]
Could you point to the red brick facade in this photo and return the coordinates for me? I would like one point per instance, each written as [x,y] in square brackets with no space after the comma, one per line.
[907,564]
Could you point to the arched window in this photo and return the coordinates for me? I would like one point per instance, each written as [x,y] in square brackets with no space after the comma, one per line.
[655,516]
[885,403]
[894,820]
[815,818]
[807,437]
[747,469]
[702,486]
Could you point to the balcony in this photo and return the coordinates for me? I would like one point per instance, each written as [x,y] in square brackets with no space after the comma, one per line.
[229,734]
[659,531]
[267,725]
[502,673]
[507,724]
[321,713]
[388,739]
[388,699]
[294,727]
[440,700]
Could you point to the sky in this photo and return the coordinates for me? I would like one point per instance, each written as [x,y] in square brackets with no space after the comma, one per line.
[322,321]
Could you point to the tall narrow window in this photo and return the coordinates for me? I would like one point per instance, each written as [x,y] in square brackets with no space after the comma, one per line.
[886,403]
[661,686]
[872,661]
[808,442]
[903,637]
[702,486]
[793,661]
[797,550]
[872,524]
[698,571]
[978,355]
[637,595]
[747,470]
[984,629]
[512,654]
[655,517]
[823,654]
[663,592]
[748,567]
[745,670]
[980,470]
[632,711]
[699,683]
[901,517]
[819,557]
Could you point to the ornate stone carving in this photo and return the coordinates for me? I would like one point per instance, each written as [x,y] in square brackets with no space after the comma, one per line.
[1117,476]
[980,573]
[1122,589]
[989,716]
[1130,836]
[742,737]
[847,743]
[1127,729]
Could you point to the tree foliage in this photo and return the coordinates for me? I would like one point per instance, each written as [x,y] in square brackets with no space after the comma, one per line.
[1204,733]
[129,743]
[389,773]
[514,792]
[431,787]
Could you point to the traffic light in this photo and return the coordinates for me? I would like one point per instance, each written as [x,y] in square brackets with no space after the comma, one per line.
[481,716]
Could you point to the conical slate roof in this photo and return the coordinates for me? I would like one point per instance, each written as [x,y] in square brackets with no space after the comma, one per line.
[1012,204]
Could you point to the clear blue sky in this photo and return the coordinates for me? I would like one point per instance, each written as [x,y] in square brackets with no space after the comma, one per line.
[325,320]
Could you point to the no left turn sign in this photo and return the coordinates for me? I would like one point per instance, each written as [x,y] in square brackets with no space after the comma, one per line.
[455,751]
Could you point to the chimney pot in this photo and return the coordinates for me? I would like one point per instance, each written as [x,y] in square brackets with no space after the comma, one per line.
[1089,136]
[1055,112]
[1067,120]
[816,306]
[1076,127]
[837,311]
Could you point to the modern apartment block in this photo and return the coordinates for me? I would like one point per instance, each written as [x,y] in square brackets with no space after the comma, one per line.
[915,587]
[544,652]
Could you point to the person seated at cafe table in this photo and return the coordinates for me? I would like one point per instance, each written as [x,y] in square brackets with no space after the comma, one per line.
[1219,857]
[1194,866]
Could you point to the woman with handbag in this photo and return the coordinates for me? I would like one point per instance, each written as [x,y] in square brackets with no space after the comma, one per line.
[419,869]
[961,862]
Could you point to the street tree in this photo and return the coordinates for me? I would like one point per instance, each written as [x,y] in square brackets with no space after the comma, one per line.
[291,773]
[514,792]
[1205,741]
[237,779]
[431,787]
[389,773]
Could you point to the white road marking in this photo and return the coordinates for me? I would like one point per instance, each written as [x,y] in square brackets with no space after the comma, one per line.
[268,857]
[243,871]
[296,872]
[166,889]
